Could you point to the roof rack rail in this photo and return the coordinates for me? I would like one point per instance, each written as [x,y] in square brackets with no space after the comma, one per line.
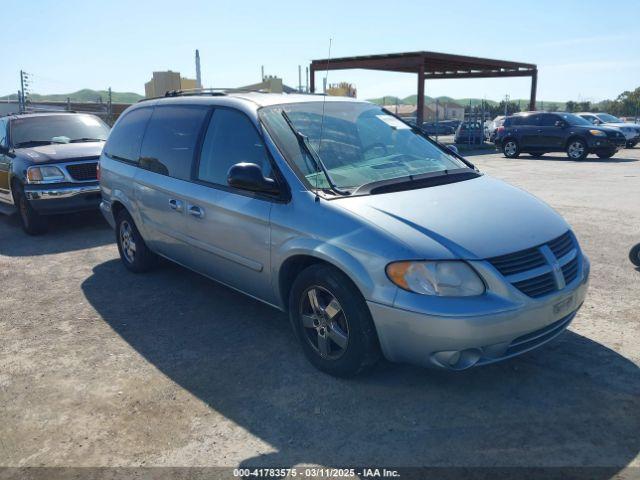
[218,91]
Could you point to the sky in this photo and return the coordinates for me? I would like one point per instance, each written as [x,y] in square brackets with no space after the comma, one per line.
[584,49]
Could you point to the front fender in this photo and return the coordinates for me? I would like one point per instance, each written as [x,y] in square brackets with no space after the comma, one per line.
[365,269]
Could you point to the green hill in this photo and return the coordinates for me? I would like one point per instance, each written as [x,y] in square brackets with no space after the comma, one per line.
[84,95]
[412,99]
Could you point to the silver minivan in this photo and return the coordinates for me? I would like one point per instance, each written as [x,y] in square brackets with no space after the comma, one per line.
[375,239]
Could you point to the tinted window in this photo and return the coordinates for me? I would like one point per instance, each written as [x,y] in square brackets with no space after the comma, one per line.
[170,140]
[124,140]
[231,138]
[548,120]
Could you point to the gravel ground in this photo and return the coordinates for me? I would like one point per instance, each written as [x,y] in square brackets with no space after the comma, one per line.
[100,367]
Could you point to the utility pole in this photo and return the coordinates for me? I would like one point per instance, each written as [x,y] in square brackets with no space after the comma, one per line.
[306,88]
[110,108]
[21,102]
[262,73]
[300,78]
[437,119]
[506,104]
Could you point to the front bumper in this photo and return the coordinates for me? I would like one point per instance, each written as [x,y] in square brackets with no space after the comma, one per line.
[54,199]
[466,339]
[606,144]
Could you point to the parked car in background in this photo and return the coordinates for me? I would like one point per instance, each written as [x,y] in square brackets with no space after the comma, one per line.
[469,133]
[491,128]
[631,131]
[432,128]
[538,133]
[48,165]
[310,205]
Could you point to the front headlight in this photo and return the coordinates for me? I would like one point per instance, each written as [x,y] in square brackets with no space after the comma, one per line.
[597,133]
[442,278]
[45,174]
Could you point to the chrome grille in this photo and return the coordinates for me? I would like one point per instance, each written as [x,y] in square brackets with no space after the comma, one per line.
[544,269]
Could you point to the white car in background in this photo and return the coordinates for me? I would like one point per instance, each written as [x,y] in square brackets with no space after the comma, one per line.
[631,131]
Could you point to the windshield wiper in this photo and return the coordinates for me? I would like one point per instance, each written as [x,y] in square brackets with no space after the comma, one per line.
[423,180]
[32,143]
[304,142]
[86,139]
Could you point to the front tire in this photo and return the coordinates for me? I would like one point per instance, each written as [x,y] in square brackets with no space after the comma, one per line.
[332,322]
[32,222]
[577,149]
[510,148]
[634,255]
[134,252]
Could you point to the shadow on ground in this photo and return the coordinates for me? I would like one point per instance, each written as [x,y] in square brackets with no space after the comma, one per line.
[66,233]
[618,158]
[573,402]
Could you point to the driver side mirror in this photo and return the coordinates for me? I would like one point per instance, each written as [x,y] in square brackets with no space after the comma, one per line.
[561,124]
[248,176]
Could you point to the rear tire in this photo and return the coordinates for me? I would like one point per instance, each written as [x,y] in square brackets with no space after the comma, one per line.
[634,255]
[577,149]
[332,322]
[134,252]
[32,222]
[510,148]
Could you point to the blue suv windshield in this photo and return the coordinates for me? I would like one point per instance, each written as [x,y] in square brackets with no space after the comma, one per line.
[359,143]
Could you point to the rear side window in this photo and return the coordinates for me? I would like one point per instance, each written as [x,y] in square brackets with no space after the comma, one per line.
[548,120]
[171,138]
[125,138]
[231,138]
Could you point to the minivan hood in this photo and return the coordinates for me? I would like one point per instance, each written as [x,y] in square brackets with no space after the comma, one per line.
[472,219]
[59,152]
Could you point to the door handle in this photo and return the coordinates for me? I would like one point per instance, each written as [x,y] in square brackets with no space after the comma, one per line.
[195,211]
[175,205]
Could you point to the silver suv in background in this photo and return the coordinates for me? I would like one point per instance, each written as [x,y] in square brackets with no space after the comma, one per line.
[375,239]
[631,131]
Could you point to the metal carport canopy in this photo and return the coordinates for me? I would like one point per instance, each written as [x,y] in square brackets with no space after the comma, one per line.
[432,65]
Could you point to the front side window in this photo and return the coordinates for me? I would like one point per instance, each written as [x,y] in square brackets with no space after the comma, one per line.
[574,120]
[548,120]
[32,131]
[231,138]
[126,136]
[171,139]
[359,143]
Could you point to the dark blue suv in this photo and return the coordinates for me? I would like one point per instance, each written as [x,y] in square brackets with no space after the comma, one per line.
[538,133]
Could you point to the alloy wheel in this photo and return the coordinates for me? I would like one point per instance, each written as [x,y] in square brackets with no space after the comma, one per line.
[576,150]
[127,242]
[325,324]
[510,149]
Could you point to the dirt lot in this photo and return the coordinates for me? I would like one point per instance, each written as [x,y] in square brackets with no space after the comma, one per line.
[100,367]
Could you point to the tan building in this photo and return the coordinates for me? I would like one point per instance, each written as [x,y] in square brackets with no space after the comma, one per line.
[446,111]
[271,84]
[162,82]
[342,89]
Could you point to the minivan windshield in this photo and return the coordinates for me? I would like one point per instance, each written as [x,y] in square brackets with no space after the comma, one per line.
[361,144]
[36,130]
